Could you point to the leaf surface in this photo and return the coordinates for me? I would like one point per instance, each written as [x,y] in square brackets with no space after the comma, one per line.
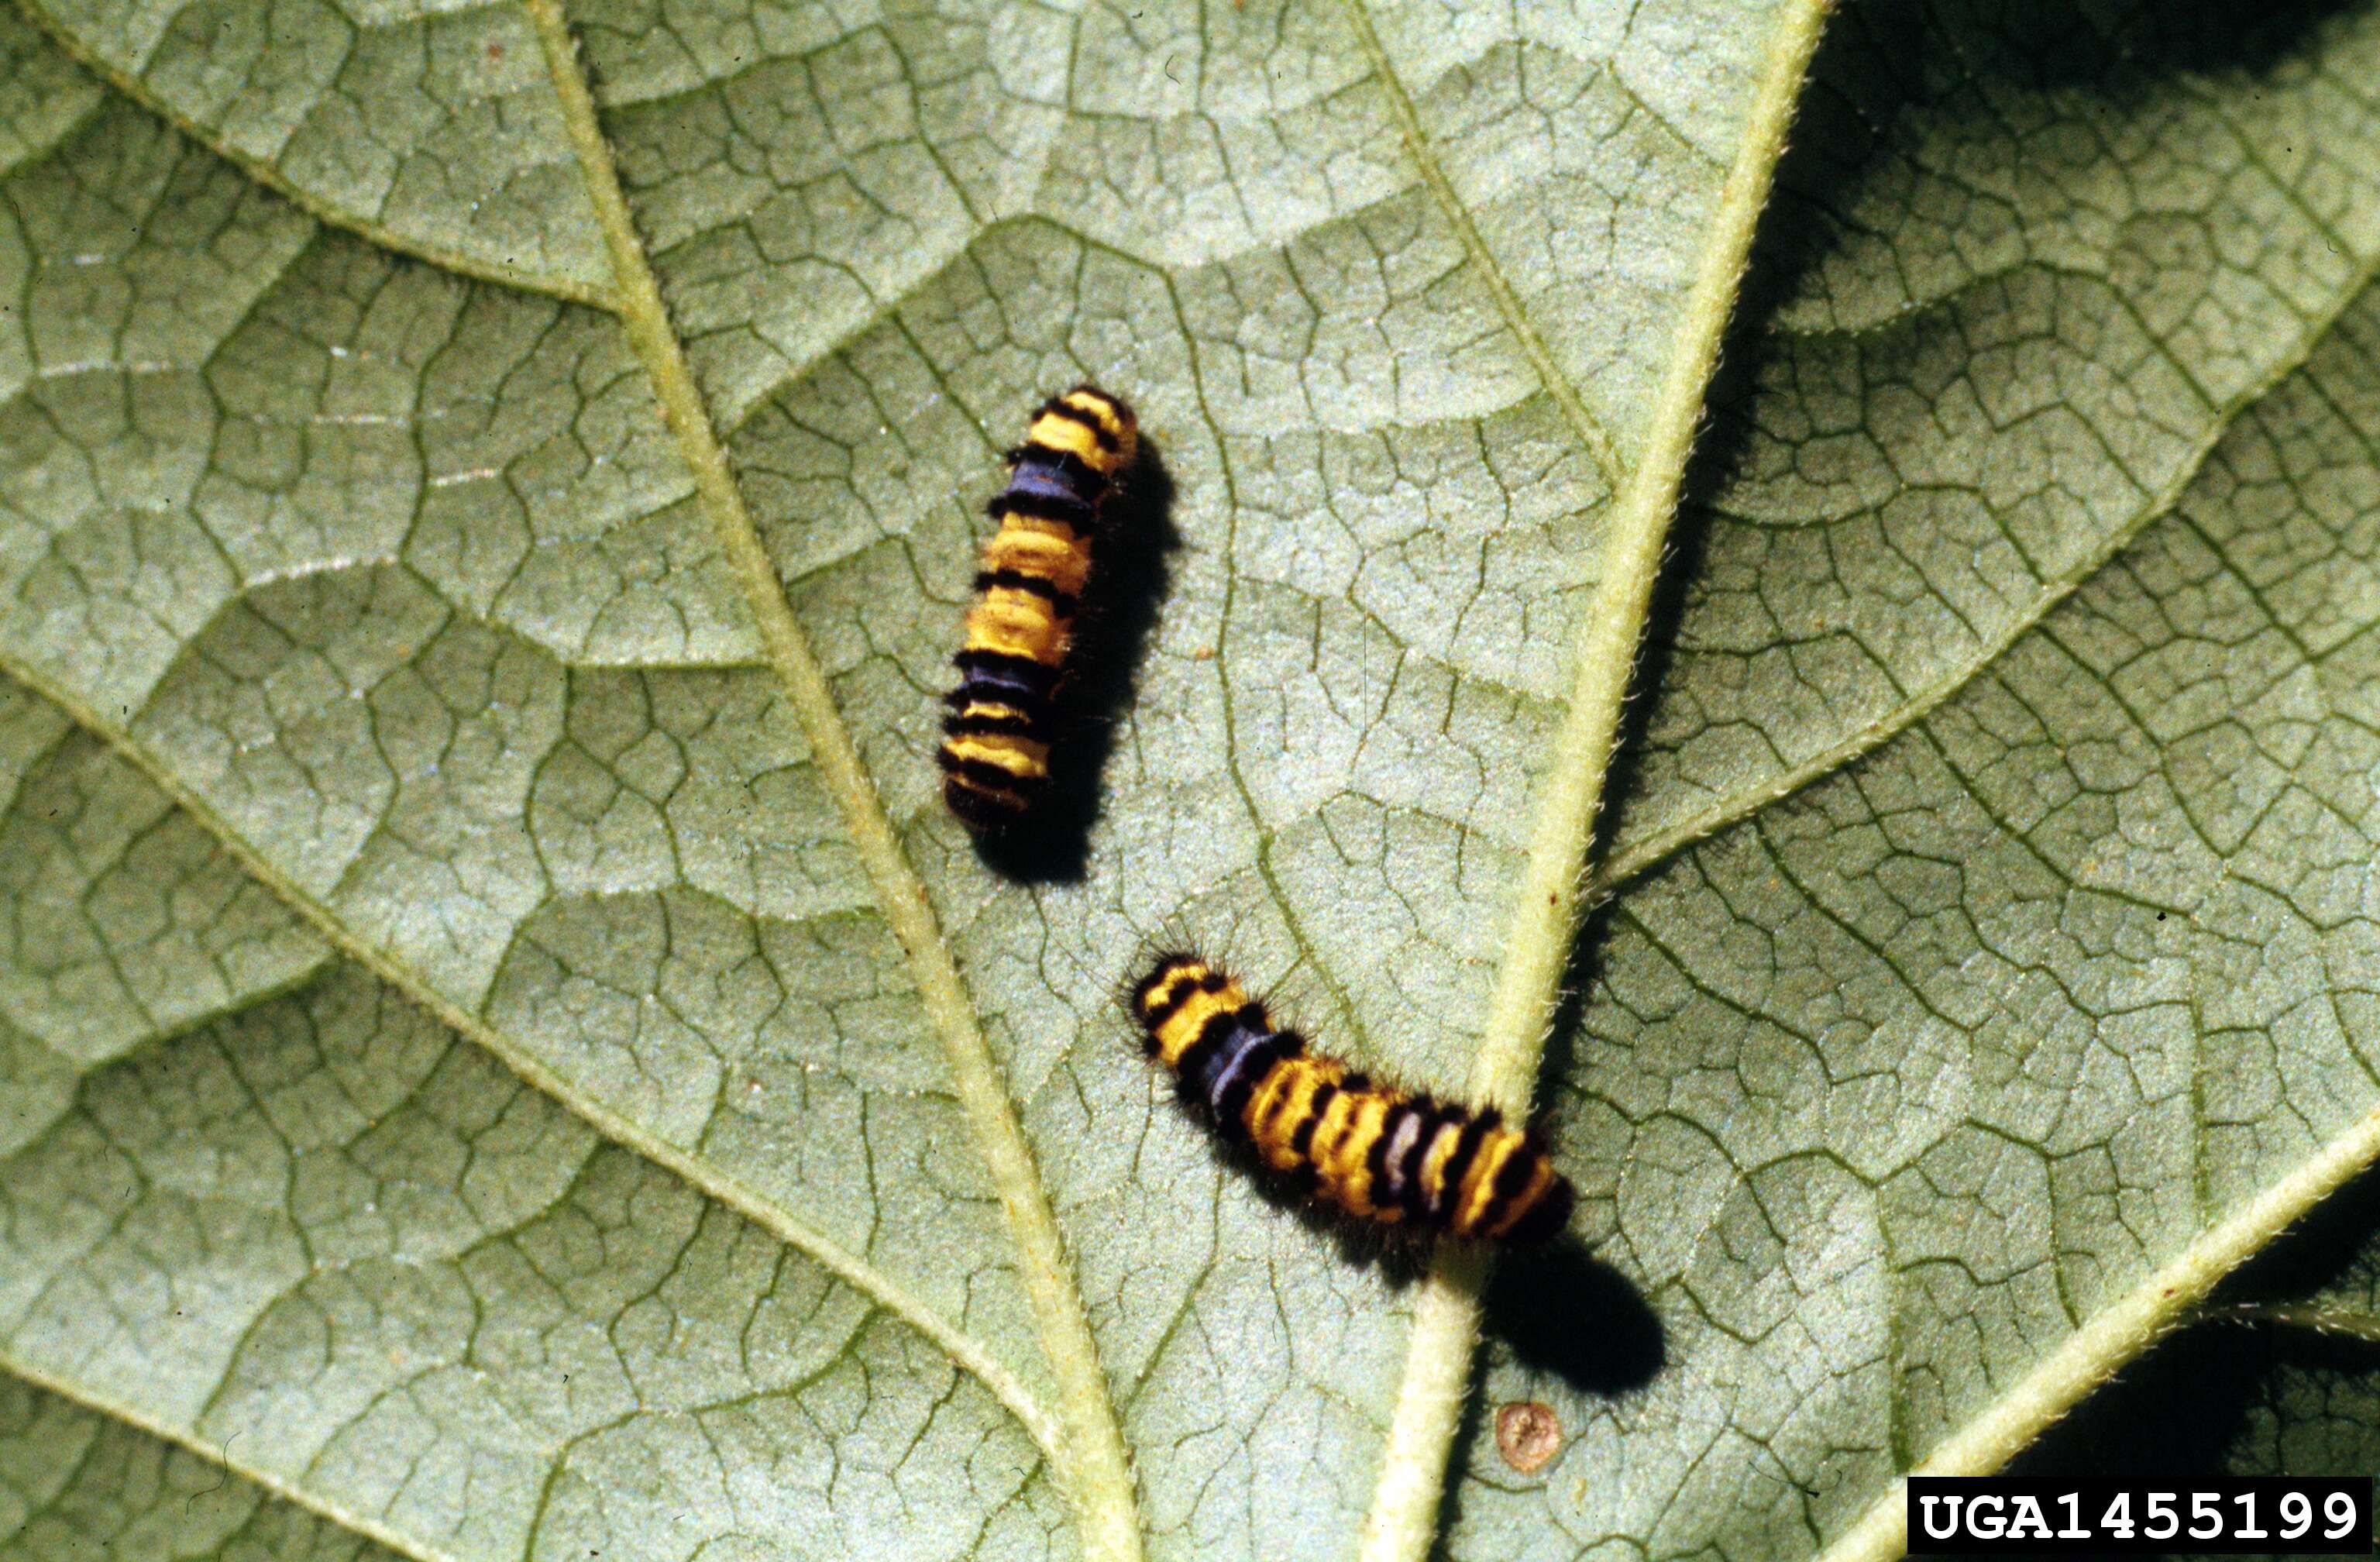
[433,128]
[497,1024]
[79,1484]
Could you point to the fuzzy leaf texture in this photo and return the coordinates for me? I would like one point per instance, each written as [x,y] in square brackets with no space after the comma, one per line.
[503,1055]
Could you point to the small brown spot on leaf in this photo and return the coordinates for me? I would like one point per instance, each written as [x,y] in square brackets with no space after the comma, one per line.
[1528,1435]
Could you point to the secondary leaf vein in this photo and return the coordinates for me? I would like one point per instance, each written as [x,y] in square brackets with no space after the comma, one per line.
[1089,1454]
[732,1194]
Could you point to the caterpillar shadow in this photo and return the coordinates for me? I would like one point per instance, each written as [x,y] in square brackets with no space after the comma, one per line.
[1051,844]
[1563,1311]
[1557,1307]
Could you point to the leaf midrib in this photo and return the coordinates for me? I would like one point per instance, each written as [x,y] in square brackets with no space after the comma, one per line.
[1403,1524]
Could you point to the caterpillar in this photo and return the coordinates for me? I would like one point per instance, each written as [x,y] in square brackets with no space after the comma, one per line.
[995,754]
[1376,1151]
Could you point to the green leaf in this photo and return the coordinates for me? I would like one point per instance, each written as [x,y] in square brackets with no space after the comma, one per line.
[433,130]
[2311,1314]
[74,1485]
[501,1049]
[2021,282]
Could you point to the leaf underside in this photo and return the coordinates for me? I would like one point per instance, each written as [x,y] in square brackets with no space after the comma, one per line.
[463,1092]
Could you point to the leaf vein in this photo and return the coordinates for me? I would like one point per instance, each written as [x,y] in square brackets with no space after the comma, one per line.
[262,171]
[1631,860]
[729,1192]
[1403,1524]
[219,1454]
[1089,1454]
[1557,385]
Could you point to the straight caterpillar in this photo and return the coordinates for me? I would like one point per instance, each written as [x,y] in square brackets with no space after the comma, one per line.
[995,754]
[1378,1153]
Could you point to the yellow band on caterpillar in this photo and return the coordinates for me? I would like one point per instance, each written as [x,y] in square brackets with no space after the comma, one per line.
[1020,759]
[1053,433]
[1093,426]
[1015,624]
[1042,553]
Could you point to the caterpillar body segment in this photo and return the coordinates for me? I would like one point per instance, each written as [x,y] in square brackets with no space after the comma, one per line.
[1378,1153]
[1003,716]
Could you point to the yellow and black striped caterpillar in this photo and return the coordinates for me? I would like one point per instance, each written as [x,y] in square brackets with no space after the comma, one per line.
[1002,717]
[1378,1153]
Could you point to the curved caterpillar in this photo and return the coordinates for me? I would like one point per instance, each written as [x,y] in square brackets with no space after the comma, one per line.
[1376,1151]
[995,754]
